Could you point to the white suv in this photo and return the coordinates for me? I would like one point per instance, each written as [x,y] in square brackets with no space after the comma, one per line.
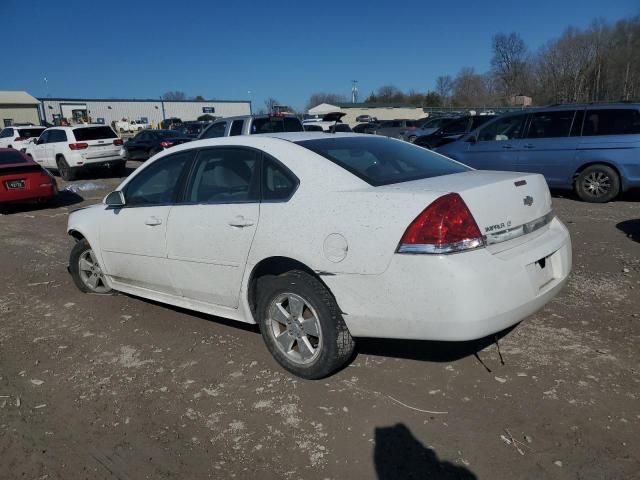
[69,149]
[18,136]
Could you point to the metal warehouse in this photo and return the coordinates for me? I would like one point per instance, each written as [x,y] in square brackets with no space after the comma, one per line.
[18,107]
[101,110]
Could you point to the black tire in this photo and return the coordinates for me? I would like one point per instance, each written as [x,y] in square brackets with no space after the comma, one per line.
[119,170]
[336,346]
[66,172]
[597,184]
[79,250]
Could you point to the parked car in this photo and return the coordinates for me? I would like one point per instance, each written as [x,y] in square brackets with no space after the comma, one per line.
[252,124]
[369,128]
[192,129]
[18,136]
[132,126]
[591,149]
[451,130]
[150,142]
[68,150]
[423,128]
[366,119]
[393,128]
[301,232]
[22,179]
[170,123]
[331,123]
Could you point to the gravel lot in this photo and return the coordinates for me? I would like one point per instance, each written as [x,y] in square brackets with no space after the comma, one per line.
[119,387]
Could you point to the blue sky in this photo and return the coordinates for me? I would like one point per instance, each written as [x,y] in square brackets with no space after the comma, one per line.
[281,49]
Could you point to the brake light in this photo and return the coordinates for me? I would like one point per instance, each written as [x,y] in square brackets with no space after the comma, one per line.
[166,144]
[117,141]
[445,226]
[78,146]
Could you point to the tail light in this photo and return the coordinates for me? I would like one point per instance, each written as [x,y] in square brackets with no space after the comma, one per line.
[166,144]
[78,146]
[445,226]
[117,141]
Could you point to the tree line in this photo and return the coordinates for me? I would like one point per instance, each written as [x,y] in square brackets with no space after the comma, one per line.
[598,63]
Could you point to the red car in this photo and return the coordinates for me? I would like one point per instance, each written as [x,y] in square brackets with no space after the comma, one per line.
[22,179]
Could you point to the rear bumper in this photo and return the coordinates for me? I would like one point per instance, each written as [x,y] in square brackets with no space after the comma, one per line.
[456,297]
[33,193]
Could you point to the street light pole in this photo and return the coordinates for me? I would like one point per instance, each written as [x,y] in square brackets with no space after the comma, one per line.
[163,114]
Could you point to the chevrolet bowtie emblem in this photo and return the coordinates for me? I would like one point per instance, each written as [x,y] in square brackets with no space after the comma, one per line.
[528,201]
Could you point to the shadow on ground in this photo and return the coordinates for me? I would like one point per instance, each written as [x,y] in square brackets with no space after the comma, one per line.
[64,198]
[631,228]
[399,455]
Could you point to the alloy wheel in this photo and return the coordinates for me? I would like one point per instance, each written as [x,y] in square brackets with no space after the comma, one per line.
[597,183]
[91,273]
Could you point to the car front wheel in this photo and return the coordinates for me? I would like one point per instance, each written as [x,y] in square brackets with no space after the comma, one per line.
[302,325]
[598,184]
[85,270]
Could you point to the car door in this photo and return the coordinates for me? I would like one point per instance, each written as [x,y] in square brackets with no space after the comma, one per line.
[209,236]
[548,147]
[37,150]
[496,145]
[56,144]
[133,238]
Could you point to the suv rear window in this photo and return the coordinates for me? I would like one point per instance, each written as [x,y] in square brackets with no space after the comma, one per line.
[382,161]
[611,122]
[29,132]
[276,124]
[93,133]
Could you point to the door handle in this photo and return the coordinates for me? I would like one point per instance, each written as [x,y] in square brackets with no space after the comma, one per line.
[507,146]
[241,222]
[153,221]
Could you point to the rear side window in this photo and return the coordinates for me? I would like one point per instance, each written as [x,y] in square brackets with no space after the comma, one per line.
[11,157]
[277,183]
[576,127]
[30,132]
[550,124]
[214,131]
[236,128]
[157,184]
[381,161]
[93,133]
[480,120]
[611,122]
[276,124]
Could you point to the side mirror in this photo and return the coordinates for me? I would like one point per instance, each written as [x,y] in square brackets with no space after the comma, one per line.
[115,199]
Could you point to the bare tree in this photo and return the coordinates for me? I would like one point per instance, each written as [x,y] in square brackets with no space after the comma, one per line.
[175,95]
[509,62]
[444,87]
[469,88]
[270,103]
[198,98]
[322,97]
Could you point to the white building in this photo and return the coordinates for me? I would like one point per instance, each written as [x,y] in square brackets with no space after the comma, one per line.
[18,107]
[381,112]
[102,110]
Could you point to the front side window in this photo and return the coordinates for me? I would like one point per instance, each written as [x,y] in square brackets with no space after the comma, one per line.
[456,127]
[44,138]
[30,132]
[236,128]
[158,183]
[6,132]
[614,121]
[550,124]
[381,161]
[506,128]
[225,175]
[277,182]
[216,130]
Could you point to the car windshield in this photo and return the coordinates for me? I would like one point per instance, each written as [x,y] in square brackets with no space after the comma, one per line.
[30,132]
[93,133]
[382,161]
[11,157]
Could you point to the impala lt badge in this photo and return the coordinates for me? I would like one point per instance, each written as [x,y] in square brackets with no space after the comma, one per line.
[528,200]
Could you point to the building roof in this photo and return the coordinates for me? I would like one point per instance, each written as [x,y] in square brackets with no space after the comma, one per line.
[377,105]
[156,100]
[17,98]
[322,109]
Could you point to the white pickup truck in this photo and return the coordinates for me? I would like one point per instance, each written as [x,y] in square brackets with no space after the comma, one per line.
[131,126]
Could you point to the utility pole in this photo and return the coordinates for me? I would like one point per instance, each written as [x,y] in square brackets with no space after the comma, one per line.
[354,91]
[163,114]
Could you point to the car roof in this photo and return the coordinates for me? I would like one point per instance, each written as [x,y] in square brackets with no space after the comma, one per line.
[261,115]
[68,127]
[302,136]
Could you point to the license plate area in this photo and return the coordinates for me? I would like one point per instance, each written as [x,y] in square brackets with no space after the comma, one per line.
[543,272]
[15,184]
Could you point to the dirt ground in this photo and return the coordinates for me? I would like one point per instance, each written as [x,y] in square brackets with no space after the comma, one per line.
[119,387]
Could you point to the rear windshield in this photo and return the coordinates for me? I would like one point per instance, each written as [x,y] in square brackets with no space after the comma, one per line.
[381,161]
[276,124]
[30,132]
[11,157]
[93,133]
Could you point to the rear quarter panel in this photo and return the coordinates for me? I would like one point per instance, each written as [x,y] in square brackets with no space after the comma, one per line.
[621,151]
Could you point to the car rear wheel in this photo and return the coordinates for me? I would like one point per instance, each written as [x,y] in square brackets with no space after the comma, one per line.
[85,270]
[598,184]
[66,172]
[301,324]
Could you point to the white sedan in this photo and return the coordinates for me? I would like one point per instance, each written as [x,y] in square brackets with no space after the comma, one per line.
[321,238]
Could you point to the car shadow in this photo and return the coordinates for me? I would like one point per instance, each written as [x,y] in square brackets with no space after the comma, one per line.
[65,198]
[426,350]
[629,196]
[631,228]
[398,454]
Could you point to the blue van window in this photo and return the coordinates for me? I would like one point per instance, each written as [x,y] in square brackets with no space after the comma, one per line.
[504,128]
[576,128]
[550,124]
[620,121]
